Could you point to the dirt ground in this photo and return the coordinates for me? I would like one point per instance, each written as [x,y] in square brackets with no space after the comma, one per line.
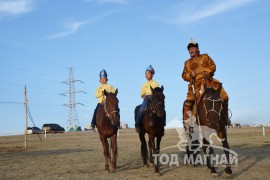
[79,155]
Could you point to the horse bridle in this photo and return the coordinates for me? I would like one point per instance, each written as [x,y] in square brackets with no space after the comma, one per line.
[153,108]
[108,114]
[213,107]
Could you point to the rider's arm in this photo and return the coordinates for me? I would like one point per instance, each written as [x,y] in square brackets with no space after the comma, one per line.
[209,64]
[99,92]
[186,74]
[143,91]
[212,67]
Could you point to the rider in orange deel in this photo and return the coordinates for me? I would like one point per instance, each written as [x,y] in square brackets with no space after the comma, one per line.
[199,69]
[103,79]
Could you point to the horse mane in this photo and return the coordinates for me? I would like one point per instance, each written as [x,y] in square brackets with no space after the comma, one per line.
[212,89]
[207,90]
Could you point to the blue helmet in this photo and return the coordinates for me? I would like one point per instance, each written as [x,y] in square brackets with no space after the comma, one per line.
[151,69]
[103,73]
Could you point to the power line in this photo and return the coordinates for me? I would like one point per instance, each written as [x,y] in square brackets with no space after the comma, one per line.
[33,72]
[18,68]
[11,103]
[35,78]
[20,103]
[3,91]
[15,84]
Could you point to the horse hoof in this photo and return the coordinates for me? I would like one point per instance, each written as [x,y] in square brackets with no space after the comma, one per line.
[113,170]
[213,170]
[228,171]
[157,174]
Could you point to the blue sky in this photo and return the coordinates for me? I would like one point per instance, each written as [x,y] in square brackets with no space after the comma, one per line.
[40,39]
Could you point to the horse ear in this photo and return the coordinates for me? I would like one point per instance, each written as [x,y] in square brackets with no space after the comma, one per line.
[219,87]
[151,88]
[105,92]
[116,92]
[162,88]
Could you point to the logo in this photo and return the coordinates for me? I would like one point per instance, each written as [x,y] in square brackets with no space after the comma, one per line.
[199,145]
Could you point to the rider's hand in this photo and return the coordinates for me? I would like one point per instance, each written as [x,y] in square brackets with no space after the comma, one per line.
[144,96]
[208,74]
[193,73]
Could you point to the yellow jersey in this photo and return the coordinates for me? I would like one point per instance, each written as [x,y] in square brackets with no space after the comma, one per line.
[146,90]
[99,92]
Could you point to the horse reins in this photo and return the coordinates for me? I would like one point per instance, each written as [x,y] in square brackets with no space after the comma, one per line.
[108,114]
[213,109]
[153,108]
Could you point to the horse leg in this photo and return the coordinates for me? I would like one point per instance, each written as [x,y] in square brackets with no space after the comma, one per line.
[195,146]
[106,152]
[210,153]
[151,145]
[114,151]
[143,148]
[188,152]
[193,150]
[222,135]
[157,150]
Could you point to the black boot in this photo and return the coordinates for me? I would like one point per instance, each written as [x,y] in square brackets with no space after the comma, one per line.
[138,128]
[92,127]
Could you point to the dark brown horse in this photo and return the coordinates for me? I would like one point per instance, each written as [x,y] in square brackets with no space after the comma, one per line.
[211,119]
[152,123]
[108,117]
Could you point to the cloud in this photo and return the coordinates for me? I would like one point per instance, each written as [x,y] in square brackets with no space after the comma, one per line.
[15,7]
[73,26]
[109,1]
[186,13]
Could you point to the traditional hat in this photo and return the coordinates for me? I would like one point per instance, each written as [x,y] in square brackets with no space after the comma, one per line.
[192,44]
[151,69]
[103,73]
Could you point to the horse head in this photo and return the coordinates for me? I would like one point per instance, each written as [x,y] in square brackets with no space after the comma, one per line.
[212,103]
[111,107]
[158,101]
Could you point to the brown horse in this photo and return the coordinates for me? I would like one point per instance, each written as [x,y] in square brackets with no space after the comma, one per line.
[108,117]
[152,123]
[211,119]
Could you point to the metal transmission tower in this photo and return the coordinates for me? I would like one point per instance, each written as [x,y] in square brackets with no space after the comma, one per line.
[73,121]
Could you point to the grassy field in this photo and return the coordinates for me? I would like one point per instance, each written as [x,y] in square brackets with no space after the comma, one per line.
[79,155]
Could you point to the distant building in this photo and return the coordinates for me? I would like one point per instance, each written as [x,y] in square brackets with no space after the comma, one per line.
[235,125]
[124,126]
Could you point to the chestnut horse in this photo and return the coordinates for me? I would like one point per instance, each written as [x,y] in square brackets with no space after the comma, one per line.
[108,117]
[152,123]
[211,119]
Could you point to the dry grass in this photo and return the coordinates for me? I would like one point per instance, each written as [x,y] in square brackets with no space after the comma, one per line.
[79,156]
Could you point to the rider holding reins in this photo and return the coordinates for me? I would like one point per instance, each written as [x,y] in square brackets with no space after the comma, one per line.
[199,69]
[103,79]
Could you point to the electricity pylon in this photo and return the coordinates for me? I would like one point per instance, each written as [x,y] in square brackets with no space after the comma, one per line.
[72,121]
